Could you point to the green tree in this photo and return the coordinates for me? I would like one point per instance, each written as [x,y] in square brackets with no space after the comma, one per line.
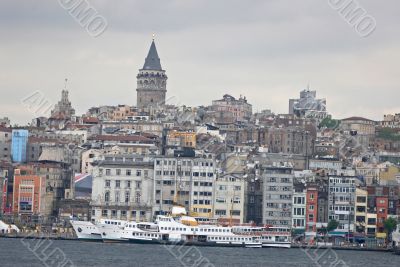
[332,225]
[330,123]
[390,225]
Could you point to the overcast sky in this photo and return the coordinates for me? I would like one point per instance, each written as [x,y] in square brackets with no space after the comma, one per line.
[267,50]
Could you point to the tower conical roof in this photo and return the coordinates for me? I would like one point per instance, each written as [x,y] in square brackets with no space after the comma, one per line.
[152,61]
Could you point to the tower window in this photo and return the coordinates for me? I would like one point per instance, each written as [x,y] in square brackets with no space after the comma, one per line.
[151,100]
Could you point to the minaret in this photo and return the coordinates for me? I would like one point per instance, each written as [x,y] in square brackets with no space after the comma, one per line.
[151,82]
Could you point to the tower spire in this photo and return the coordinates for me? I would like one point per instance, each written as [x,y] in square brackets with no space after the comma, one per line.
[152,61]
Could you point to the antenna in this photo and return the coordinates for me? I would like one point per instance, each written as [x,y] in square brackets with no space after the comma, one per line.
[65,84]
[154,36]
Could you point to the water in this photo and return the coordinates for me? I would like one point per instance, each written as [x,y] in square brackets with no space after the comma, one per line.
[18,252]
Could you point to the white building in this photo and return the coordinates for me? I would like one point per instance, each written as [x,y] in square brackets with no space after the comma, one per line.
[277,194]
[342,201]
[122,188]
[299,211]
[229,199]
[187,181]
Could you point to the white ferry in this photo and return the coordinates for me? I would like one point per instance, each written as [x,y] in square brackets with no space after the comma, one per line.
[86,230]
[111,230]
[186,231]
[121,231]
[271,236]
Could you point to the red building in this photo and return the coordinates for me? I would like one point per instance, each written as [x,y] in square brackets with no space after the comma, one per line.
[28,192]
[381,212]
[311,209]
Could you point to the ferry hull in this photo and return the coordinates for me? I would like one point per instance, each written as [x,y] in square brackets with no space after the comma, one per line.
[276,245]
[194,243]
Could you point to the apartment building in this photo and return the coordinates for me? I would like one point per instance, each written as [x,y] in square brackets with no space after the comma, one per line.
[122,188]
[277,194]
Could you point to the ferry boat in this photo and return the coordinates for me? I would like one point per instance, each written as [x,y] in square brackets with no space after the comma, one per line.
[186,230]
[121,231]
[86,230]
[270,236]
[111,230]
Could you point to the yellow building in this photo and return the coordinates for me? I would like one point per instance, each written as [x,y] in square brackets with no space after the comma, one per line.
[389,174]
[181,138]
[371,224]
[360,214]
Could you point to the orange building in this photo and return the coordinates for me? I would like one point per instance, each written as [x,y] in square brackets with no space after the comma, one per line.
[181,138]
[28,193]
[311,209]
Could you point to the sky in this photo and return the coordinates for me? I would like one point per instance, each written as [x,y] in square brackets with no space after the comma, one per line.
[266,50]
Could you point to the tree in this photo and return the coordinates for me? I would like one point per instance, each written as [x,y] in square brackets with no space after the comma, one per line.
[329,123]
[390,225]
[332,225]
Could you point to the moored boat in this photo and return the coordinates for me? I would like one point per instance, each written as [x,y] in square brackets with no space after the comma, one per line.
[86,230]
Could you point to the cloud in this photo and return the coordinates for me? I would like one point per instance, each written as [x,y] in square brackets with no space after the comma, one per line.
[266,50]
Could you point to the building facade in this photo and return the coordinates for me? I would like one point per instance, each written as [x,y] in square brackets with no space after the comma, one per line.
[122,188]
[277,195]
[28,193]
[238,109]
[185,181]
[361,211]
[19,145]
[299,211]
[229,199]
[311,209]
[341,201]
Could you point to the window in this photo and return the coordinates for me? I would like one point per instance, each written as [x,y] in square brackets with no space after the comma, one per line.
[118,172]
[251,199]
[311,196]
[108,172]
[127,196]
[138,173]
[128,184]
[138,184]
[133,213]
[116,196]
[220,212]
[113,213]
[107,196]
[117,183]
[137,197]
[108,183]
[311,207]
[104,213]
[128,172]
